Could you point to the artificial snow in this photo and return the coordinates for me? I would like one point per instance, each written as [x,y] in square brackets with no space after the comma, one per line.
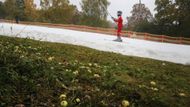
[133,47]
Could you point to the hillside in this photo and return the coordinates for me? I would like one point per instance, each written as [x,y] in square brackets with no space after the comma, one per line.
[36,73]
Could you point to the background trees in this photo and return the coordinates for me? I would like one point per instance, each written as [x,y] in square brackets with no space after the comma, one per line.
[94,12]
[30,11]
[173,16]
[57,11]
[140,13]
[2,10]
[23,9]
[10,9]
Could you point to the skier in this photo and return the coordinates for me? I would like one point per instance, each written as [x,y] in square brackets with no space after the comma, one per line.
[119,22]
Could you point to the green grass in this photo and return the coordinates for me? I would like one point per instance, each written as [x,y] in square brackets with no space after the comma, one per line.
[36,73]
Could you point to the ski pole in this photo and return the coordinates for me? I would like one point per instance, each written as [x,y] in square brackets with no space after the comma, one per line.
[105,8]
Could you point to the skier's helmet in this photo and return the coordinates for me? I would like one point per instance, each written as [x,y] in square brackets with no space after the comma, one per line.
[119,13]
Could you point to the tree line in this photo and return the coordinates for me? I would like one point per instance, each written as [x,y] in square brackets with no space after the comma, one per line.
[172,16]
[94,12]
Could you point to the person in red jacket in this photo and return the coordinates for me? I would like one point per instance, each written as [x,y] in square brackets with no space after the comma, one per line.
[119,22]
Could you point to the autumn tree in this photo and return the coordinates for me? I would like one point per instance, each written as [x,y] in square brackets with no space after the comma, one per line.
[95,12]
[30,10]
[2,10]
[165,16]
[20,7]
[10,8]
[58,11]
[140,14]
[173,17]
[14,8]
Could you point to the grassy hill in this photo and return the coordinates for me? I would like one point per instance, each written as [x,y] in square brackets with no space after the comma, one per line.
[36,73]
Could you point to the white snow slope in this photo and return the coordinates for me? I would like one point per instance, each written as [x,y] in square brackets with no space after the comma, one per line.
[132,47]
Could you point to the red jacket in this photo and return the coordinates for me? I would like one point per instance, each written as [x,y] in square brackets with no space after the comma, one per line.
[119,22]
